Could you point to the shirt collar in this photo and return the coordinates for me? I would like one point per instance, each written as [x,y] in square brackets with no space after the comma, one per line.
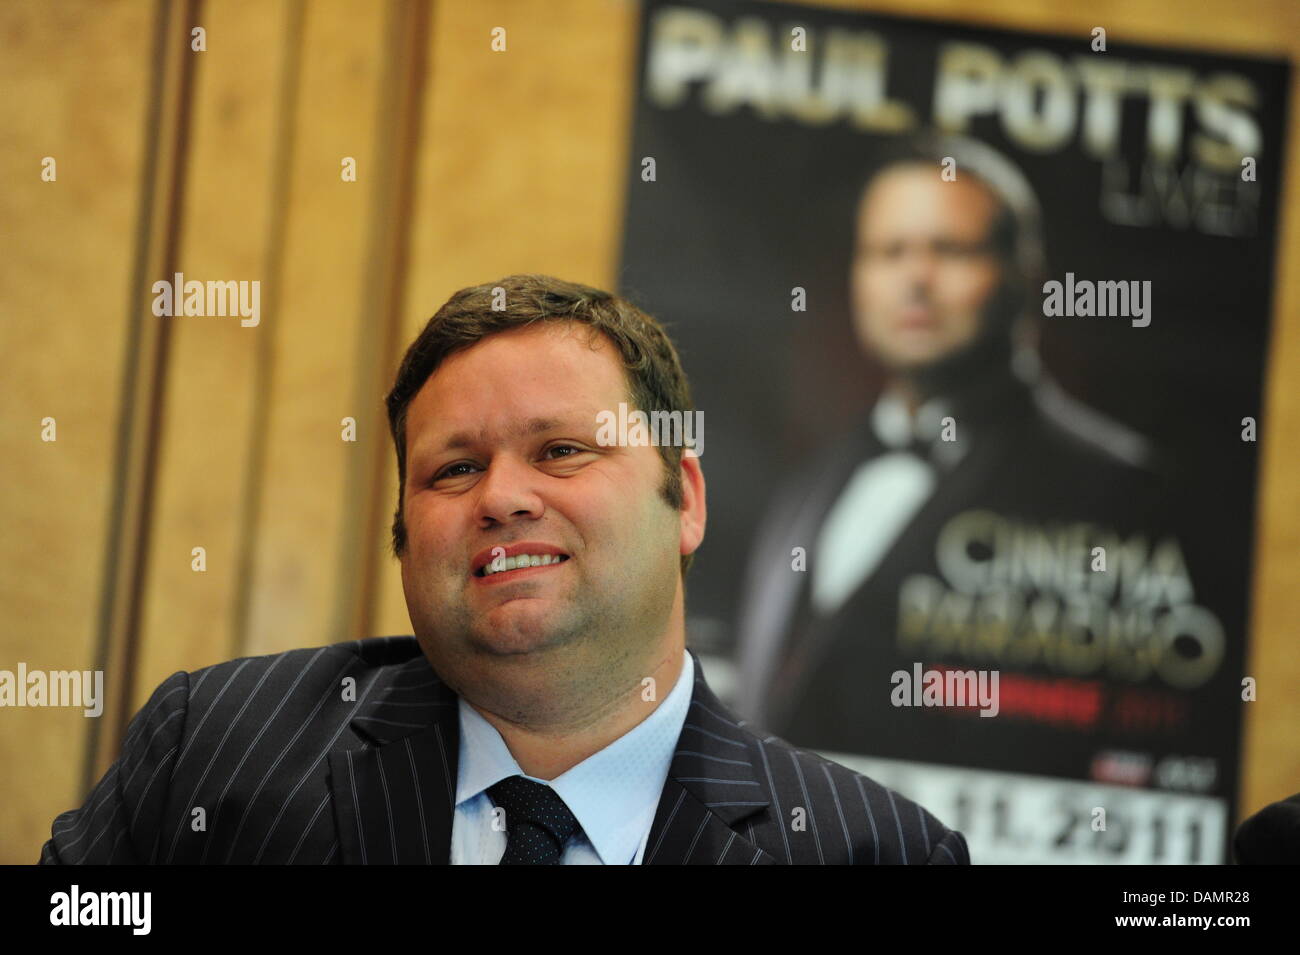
[613,793]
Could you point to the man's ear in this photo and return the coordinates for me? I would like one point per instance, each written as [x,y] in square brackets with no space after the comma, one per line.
[694,512]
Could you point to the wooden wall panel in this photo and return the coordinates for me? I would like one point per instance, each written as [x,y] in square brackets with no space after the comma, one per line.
[306,564]
[207,422]
[75,83]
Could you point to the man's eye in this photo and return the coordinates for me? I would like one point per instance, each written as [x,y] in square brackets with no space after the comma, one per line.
[890,250]
[959,250]
[450,471]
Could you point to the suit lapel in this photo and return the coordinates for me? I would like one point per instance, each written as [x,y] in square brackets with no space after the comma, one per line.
[712,788]
[394,800]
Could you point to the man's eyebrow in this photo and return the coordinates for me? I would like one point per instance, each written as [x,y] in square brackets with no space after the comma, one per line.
[467,439]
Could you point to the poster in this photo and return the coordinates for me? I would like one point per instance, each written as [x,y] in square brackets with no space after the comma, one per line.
[977,321]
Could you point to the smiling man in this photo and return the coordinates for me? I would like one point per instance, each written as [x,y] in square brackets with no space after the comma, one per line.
[546,710]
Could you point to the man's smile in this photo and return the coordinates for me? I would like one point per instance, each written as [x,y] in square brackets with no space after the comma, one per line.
[501,563]
[515,568]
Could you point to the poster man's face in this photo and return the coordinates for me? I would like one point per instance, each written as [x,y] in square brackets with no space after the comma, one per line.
[501,449]
[923,268]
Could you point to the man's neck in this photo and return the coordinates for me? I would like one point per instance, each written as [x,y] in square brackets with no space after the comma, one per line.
[970,382]
[909,393]
[550,750]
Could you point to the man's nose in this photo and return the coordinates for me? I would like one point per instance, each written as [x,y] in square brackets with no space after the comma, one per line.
[508,489]
[919,264]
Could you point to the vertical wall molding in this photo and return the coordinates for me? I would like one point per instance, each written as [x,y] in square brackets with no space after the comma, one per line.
[397,139]
[166,135]
[251,516]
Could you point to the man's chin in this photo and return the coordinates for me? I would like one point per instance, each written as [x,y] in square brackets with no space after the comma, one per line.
[914,362]
[932,358]
[512,629]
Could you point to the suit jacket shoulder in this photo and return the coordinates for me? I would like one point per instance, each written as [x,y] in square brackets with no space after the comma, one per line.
[226,763]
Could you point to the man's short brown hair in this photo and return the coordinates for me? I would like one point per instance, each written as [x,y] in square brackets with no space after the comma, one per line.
[653,371]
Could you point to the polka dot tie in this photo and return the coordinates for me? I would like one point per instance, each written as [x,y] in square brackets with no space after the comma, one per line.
[538,823]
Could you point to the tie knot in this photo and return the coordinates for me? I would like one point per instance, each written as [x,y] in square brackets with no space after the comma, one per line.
[538,823]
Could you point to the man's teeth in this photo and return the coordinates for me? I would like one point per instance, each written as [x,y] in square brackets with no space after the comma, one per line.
[523,560]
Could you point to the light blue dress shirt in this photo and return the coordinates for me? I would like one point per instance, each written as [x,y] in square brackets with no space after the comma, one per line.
[613,793]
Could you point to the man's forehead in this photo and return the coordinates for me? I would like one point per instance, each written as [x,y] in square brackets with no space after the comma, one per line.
[561,342]
[888,204]
[447,417]
[460,436]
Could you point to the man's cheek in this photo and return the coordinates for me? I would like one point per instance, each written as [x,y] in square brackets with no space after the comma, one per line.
[426,569]
[421,532]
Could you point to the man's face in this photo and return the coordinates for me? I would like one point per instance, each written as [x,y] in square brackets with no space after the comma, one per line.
[501,449]
[923,270]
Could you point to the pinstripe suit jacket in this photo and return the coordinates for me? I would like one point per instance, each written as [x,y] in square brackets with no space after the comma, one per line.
[287,768]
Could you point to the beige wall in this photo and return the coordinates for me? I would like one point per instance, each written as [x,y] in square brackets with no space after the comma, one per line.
[471,165]
[75,83]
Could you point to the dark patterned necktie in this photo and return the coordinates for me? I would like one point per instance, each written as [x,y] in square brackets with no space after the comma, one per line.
[538,823]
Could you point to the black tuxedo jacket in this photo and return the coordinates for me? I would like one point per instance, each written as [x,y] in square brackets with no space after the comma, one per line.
[1035,455]
[348,754]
